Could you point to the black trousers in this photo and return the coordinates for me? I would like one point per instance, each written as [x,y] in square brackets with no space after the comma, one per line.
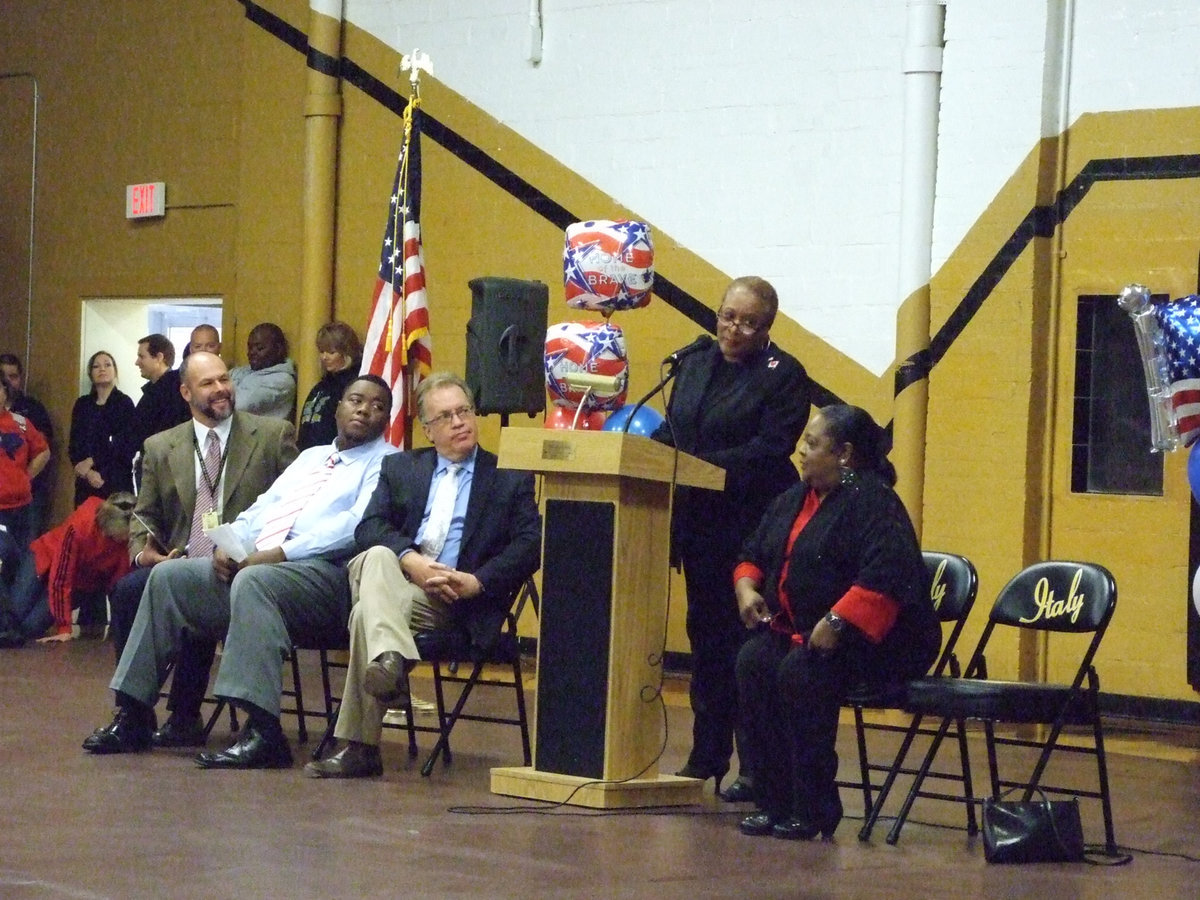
[715,633]
[193,663]
[791,697]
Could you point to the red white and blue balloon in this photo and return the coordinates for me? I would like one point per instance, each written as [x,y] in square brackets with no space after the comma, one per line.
[586,359]
[1168,336]
[608,266]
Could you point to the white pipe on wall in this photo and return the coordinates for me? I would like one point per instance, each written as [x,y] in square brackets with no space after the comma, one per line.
[922,88]
[925,34]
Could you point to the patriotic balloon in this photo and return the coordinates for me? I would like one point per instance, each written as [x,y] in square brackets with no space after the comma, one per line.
[566,418]
[586,359]
[644,422]
[607,265]
[1168,336]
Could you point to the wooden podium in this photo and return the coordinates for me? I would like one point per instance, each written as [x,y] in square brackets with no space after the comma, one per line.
[602,628]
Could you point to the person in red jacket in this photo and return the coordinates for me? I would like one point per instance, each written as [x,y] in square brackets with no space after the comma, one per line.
[23,454]
[86,554]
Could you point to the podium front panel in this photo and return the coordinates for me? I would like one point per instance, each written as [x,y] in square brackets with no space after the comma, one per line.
[575,637]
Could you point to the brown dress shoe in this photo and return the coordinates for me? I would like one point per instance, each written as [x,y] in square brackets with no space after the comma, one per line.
[386,679]
[355,760]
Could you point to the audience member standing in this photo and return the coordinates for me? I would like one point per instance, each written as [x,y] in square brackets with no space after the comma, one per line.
[102,434]
[341,352]
[23,454]
[205,338]
[162,405]
[267,386]
[28,406]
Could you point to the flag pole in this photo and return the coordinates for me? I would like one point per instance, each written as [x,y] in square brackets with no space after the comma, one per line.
[397,346]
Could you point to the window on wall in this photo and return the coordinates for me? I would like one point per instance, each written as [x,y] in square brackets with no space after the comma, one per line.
[1111,426]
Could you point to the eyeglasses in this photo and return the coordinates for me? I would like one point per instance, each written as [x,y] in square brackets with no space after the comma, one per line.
[743,326]
[466,413]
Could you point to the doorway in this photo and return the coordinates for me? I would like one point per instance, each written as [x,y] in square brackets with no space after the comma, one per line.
[114,325]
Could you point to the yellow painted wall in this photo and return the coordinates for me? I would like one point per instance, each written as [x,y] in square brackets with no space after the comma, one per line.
[997,481]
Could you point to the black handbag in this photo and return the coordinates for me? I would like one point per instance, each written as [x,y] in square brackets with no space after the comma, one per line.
[1035,830]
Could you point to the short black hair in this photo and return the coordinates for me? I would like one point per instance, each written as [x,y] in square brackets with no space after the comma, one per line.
[373,379]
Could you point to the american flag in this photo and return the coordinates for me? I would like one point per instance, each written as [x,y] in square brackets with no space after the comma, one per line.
[1180,324]
[398,347]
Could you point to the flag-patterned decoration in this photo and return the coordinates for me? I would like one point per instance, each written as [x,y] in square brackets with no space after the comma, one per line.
[397,345]
[1180,324]
[608,265]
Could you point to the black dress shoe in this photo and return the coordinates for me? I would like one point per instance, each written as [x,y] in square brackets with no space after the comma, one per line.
[757,825]
[386,679]
[355,760]
[181,731]
[129,732]
[250,751]
[741,791]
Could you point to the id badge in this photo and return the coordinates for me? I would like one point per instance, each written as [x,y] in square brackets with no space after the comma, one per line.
[210,520]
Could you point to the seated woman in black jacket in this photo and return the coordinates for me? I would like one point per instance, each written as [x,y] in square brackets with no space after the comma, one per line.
[834,583]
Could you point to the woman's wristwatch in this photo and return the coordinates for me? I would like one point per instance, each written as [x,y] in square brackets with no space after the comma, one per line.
[836,622]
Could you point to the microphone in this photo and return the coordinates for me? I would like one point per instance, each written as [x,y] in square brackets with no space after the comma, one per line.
[701,343]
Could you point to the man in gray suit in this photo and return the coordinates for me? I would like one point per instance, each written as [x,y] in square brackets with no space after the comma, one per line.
[255,452]
[278,579]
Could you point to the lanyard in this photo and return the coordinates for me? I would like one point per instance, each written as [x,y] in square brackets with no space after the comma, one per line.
[212,485]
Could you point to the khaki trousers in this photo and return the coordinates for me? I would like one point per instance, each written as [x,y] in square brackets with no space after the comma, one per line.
[386,608]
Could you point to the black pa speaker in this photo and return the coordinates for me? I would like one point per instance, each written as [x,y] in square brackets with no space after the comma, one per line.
[506,336]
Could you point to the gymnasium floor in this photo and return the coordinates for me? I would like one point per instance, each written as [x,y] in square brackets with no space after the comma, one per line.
[155,826]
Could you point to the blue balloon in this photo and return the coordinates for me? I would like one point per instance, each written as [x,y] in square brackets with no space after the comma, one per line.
[1193,468]
[645,422]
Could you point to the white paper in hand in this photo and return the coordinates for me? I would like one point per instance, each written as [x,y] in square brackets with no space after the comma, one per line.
[225,539]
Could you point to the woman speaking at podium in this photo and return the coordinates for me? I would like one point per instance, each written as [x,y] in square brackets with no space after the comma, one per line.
[740,403]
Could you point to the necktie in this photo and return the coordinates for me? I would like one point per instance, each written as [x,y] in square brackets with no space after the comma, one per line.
[441,511]
[199,544]
[287,510]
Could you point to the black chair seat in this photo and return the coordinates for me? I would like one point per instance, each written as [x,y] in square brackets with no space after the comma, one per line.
[454,644]
[877,696]
[1001,701]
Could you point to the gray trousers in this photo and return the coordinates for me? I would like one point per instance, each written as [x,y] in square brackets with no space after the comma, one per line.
[386,610]
[259,615]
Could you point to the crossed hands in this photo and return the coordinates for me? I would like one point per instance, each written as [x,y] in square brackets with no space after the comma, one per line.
[439,580]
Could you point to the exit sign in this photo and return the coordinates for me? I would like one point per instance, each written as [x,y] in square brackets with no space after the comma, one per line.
[143,201]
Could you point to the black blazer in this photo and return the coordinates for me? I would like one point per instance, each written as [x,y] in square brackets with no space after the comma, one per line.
[749,426]
[861,534]
[502,533]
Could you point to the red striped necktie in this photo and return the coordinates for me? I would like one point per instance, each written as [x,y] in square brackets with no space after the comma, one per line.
[287,510]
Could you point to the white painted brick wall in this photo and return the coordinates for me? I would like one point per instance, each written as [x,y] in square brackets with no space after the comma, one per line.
[764,134]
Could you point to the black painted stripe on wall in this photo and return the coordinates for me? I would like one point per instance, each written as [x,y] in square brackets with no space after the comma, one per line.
[1040,221]
[476,158]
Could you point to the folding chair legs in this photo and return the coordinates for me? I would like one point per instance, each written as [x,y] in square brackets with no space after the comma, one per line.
[968,792]
[873,809]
